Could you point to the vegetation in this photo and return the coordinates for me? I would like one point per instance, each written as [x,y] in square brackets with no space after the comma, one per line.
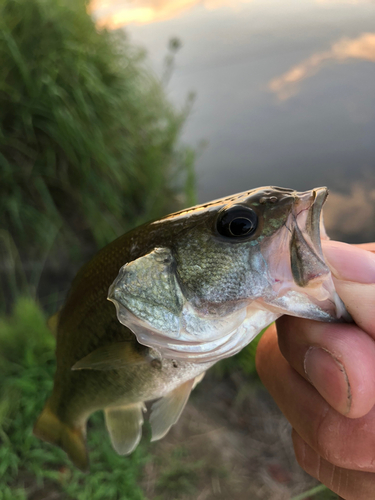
[88,148]
[88,140]
[26,371]
[319,493]
[179,476]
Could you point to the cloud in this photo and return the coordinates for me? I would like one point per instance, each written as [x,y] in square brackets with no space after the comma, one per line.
[362,48]
[351,216]
[114,14]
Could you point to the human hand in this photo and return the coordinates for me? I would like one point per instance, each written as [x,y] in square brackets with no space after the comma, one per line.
[322,376]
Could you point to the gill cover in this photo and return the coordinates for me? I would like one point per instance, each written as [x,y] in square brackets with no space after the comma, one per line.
[150,302]
[147,290]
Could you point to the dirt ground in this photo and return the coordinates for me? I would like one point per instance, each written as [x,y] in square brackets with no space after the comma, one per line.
[231,443]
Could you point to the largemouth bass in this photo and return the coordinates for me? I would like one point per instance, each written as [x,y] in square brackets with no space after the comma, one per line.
[184,292]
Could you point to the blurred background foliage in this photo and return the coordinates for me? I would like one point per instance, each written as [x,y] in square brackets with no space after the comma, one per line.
[88,140]
[89,147]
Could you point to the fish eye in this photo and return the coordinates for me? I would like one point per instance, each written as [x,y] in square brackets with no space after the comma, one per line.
[237,222]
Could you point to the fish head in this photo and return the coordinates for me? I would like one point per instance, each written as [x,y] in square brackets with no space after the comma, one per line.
[221,272]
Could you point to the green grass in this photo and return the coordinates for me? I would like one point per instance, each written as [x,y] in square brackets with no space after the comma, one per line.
[319,492]
[26,374]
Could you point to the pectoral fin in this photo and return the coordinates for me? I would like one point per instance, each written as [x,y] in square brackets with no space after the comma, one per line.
[124,425]
[166,411]
[198,379]
[112,357]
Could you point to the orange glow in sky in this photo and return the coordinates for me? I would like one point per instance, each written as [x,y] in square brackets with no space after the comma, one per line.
[353,2]
[362,48]
[113,14]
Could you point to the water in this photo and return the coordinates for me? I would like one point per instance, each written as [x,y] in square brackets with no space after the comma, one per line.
[285,90]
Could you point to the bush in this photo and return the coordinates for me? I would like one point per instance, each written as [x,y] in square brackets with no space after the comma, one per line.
[88,140]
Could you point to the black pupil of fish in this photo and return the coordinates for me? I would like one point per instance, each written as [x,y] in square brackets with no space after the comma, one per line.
[237,222]
[240,226]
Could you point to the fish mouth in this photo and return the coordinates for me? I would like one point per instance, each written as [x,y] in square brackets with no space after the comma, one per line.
[306,255]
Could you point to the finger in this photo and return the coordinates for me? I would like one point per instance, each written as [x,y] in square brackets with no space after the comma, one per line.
[345,442]
[367,246]
[353,269]
[338,359]
[349,262]
[349,484]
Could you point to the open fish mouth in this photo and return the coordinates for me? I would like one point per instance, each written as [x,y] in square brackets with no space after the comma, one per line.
[302,282]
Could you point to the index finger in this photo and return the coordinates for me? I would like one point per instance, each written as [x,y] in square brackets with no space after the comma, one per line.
[367,246]
[353,269]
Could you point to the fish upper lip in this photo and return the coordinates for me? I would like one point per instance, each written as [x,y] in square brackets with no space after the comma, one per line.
[308,215]
[320,195]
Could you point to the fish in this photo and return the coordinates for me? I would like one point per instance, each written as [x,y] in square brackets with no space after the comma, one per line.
[156,308]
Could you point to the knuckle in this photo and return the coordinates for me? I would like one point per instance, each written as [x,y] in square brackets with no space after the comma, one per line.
[329,442]
[326,442]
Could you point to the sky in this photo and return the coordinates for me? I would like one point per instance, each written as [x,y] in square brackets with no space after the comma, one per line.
[284,88]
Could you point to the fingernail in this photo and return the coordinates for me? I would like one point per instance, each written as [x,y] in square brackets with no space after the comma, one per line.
[327,374]
[349,263]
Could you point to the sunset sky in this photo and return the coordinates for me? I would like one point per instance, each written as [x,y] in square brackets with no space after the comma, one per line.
[116,13]
[284,88]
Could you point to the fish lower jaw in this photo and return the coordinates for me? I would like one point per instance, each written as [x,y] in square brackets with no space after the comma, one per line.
[208,350]
[200,339]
